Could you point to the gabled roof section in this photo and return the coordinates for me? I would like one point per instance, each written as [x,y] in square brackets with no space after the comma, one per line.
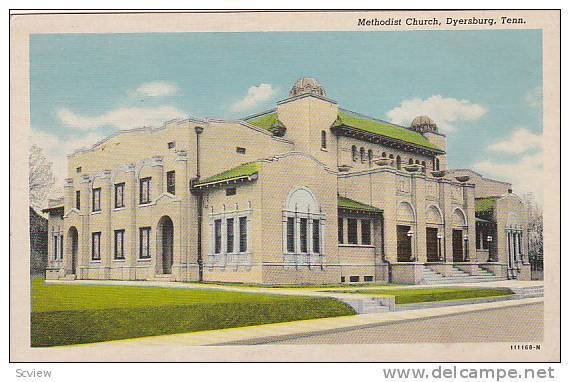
[352,205]
[368,125]
[242,173]
[483,205]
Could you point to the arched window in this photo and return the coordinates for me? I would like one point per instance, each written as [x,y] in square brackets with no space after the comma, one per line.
[411,161]
[384,155]
[398,162]
[437,164]
[391,156]
[433,165]
[354,154]
[302,226]
[417,161]
[362,154]
[323,139]
[370,155]
[424,166]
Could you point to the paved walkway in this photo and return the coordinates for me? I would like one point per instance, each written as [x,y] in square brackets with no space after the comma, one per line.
[518,324]
[295,329]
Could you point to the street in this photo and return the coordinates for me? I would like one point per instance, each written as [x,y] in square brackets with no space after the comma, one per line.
[516,324]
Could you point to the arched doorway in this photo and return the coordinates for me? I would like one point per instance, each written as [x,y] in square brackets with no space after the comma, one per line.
[164,245]
[406,221]
[72,242]
[458,240]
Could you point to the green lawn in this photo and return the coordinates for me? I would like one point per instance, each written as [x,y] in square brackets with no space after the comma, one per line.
[74,314]
[415,295]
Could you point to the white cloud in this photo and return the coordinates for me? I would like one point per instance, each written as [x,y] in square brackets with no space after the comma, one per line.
[534,97]
[56,150]
[444,111]
[157,89]
[255,95]
[526,174]
[121,118]
[520,141]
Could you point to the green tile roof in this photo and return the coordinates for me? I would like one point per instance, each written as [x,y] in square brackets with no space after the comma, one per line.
[484,204]
[383,128]
[269,122]
[241,171]
[353,205]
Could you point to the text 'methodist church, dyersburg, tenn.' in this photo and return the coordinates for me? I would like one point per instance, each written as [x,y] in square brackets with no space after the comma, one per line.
[305,193]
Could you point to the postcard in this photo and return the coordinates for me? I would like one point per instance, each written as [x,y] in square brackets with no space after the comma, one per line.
[298,186]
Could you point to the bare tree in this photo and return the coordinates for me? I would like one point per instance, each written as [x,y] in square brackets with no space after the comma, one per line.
[41,178]
[535,238]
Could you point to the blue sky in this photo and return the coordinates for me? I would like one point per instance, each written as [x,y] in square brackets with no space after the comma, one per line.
[483,88]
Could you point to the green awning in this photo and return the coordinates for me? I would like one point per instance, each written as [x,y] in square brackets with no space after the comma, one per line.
[352,205]
[484,204]
[246,171]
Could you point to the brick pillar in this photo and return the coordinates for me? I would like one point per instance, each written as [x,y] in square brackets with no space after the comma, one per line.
[84,245]
[131,234]
[107,247]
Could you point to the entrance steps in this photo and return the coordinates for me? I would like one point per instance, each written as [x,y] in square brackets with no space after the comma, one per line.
[457,276]
[365,305]
[529,292]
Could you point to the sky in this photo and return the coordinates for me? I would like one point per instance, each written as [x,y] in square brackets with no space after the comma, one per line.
[482,88]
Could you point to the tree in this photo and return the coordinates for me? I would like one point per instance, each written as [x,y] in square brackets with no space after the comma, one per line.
[535,227]
[41,178]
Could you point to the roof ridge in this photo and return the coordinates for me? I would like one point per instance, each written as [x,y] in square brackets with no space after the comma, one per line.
[375,119]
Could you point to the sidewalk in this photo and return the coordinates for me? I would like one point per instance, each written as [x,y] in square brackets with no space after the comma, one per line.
[296,329]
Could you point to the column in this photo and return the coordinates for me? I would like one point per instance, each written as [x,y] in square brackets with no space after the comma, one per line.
[68,195]
[108,234]
[180,247]
[156,183]
[84,242]
[131,234]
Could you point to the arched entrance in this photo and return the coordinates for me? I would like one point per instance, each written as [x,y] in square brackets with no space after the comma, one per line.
[72,242]
[164,245]
[406,218]
[458,240]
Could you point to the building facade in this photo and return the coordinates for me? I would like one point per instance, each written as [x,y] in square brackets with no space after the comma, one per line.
[305,193]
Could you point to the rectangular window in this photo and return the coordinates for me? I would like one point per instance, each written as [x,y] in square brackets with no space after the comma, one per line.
[96,203]
[231,191]
[61,247]
[78,199]
[230,235]
[144,242]
[303,234]
[243,234]
[352,231]
[342,279]
[55,246]
[119,195]
[316,236]
[78,169]
[171,145]
[368,279]
[217,236]
[290,235]
[144,191]
[240,150]
[171,182]
[366,232]
[119,241]
[96,246]
[340,230]
[354,279]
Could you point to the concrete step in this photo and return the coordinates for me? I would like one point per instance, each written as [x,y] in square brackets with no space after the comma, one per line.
[366,306]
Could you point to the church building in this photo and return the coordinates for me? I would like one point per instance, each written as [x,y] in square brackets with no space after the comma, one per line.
[305,193]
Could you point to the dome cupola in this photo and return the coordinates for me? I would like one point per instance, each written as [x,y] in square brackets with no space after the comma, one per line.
[307,85]
[423,124]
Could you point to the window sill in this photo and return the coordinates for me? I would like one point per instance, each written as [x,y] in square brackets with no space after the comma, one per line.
[145,204]
[119,260]
[357,245]
[95,261]
[324,149]
[144,259]
[95,212]
[119,208]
